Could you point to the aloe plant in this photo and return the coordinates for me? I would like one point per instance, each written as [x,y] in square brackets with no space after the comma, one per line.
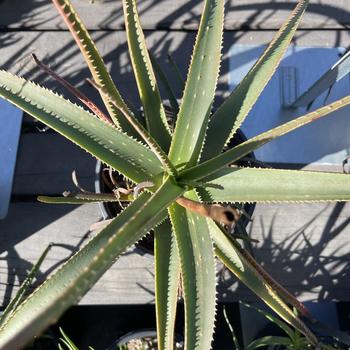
[186,175]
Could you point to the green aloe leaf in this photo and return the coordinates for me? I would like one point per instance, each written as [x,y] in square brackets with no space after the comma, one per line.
[289,331]
[198,276]
[149,139]
[231,114]
[275,185]
[167,277]
[83,198]
[166,84]
[153,108]
[213,165]
[179,80]
[230,253]
[65,287]
[200,87]
[95,63]
[103,141]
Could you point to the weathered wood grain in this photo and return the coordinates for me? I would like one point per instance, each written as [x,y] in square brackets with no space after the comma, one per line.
[38,169]
[45,163]
[30,227]
[303,244]
[181,14]
[316,268]
[59,51]
[305,247]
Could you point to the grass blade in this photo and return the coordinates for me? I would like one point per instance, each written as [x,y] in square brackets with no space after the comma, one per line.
[275,320]
[67,341]
[18,298]
[200,87]
[233,333]
[231,114]
[269,340]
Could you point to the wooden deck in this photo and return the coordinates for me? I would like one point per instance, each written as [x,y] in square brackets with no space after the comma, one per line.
[306,247]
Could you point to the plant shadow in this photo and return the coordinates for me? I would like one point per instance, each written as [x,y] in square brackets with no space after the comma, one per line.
[312,261]
[165,36]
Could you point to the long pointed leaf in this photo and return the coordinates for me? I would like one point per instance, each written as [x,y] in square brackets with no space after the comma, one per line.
[275,185]
[198,276]
[269,340]
[149,139]
[200,87]
[167,277]
[232,331]
[289,331]
[78,274]
[229,253]
[67,341]
[83,198]
[147,84]
[179,80]
[94,61]
[103,141]
[231,114]
[166,84]
[211,166]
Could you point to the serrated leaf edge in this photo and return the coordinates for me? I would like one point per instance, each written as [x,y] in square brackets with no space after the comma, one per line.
[69,123]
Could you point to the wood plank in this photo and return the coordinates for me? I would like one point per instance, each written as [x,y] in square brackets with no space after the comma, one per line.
[30,227]
[313,269]
[303,244]
[59,51]
[22,241]
[45,163]
[57,158]
[181,14]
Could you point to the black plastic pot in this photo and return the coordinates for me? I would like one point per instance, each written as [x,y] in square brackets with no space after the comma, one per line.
[110,210]
[145,246]
[247,161]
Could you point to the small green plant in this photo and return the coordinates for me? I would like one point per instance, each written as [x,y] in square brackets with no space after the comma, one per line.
[292,340]
[66,343]
[182,172]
